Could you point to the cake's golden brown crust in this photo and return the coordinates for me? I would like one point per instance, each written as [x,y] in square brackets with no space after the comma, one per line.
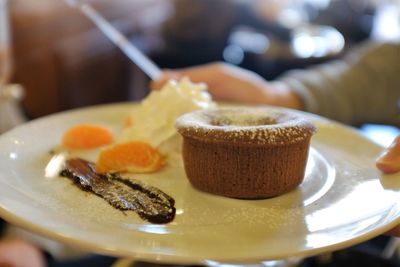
[245,152]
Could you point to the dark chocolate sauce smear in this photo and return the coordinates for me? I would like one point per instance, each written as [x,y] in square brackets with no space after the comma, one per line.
[149,202]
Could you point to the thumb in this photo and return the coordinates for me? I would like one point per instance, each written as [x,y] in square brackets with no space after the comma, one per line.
[389,160]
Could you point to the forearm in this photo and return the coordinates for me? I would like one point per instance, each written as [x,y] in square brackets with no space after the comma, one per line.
[365,87]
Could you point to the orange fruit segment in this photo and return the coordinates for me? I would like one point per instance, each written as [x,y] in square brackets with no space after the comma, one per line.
[135,157]
[87,136]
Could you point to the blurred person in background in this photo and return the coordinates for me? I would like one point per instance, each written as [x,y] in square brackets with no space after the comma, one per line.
[362,87]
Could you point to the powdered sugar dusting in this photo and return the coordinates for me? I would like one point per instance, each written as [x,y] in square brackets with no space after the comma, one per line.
[248,125]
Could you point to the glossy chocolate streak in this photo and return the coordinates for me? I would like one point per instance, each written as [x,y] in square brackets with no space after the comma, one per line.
[149,202]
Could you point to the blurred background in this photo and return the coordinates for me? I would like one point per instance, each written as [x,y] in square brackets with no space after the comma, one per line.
[63,61]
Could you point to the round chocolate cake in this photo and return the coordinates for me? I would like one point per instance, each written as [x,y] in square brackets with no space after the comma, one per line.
[245,152]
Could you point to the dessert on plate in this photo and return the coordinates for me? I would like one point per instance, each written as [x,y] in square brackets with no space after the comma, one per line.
[245,152]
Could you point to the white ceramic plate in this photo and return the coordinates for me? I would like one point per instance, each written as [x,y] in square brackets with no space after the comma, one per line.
[344,200]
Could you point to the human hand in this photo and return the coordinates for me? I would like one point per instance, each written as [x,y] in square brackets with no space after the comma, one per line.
[20,253]
[233,84]
[389,162]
